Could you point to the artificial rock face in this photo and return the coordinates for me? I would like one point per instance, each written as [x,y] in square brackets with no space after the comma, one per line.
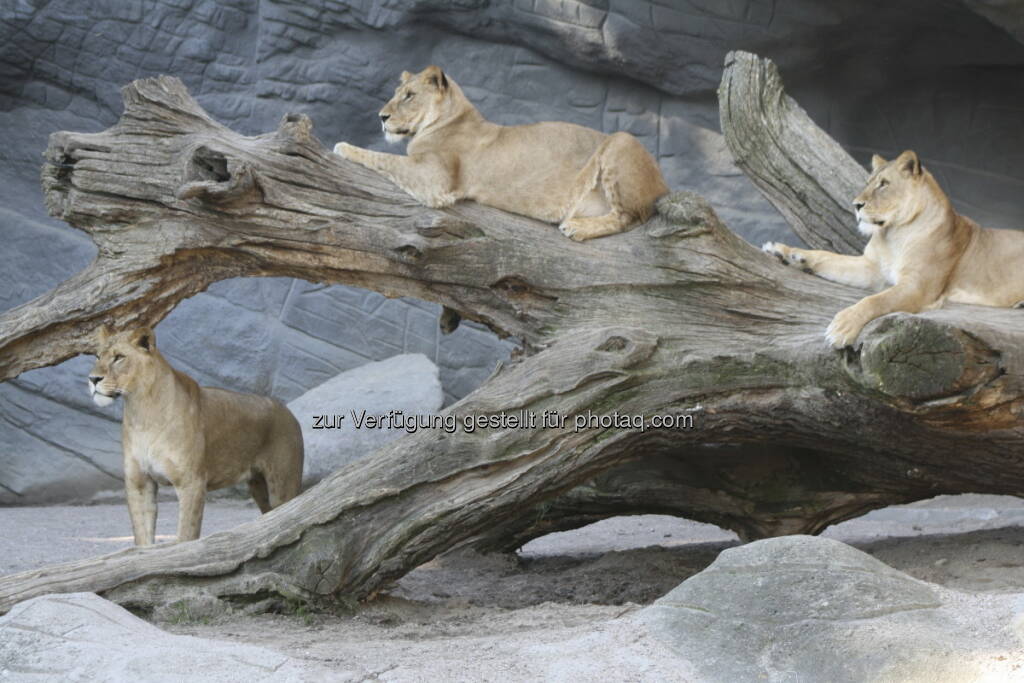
[943,78]
[805,608]
[82,637]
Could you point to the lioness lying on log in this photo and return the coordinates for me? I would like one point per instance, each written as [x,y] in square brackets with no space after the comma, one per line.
[195,438]
[591,183]
[920,246]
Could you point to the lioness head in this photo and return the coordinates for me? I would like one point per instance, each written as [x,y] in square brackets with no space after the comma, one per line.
[420,100]
[122,360]
[895,193]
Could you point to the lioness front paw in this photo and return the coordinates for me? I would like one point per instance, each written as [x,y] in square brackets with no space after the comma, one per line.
[787,255]
[844,328]
[568,229]
[343,149]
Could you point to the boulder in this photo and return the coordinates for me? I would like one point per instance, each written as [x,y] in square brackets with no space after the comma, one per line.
[803,608]
[82,637]
[330,414]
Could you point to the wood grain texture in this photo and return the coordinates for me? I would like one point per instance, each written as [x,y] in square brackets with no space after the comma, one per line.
[803,172]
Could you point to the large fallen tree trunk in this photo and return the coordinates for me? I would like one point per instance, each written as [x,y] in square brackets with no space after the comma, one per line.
[678,318]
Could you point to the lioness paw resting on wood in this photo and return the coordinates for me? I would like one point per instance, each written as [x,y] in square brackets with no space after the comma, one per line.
[591,183]
[920,247]
[195,438]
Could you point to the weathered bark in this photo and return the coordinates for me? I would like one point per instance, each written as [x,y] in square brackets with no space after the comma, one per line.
[757,490]
[677,317]
[795,164]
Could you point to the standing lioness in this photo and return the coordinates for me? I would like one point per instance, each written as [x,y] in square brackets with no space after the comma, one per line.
[195,438]
[920,246]
[591,183]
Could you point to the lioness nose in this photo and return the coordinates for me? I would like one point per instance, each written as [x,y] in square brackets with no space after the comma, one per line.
[858,205]
[95,379]
[384,117]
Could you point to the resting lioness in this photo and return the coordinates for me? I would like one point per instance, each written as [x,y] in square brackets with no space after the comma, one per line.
[591,183]
[196,438]
[920,246]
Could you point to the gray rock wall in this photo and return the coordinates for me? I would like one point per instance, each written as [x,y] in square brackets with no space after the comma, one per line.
[939,76]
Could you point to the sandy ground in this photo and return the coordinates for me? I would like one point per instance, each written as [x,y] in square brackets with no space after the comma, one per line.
[470,617]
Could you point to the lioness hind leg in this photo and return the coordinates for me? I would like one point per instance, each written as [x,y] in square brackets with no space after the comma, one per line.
[585,196]
[630,177]
[283,487]
[259,493]
[626,179]
[591,214]
[282,472]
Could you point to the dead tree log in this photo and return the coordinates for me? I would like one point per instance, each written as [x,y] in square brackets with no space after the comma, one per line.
[678,317]
[809,178]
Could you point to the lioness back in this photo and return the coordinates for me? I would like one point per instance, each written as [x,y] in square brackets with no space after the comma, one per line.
[991,271]
[239,425]
[525,161]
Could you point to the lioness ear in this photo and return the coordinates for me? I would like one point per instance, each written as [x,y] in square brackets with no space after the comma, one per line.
[144,339]
[102,334]
[405,76]
[877,162]
[436,77]
[100,337]
[909,163]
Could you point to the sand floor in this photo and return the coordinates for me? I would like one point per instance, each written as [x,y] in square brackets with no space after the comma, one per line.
[469,617]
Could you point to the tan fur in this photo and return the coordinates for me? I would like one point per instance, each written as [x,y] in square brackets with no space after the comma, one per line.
[920,246]
[591,183]
[195,438]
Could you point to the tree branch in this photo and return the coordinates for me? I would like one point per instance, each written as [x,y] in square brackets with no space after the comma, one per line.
[809,178]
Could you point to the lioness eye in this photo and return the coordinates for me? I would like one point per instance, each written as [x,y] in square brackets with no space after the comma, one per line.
[409,95]
[882,183]
[118,358]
